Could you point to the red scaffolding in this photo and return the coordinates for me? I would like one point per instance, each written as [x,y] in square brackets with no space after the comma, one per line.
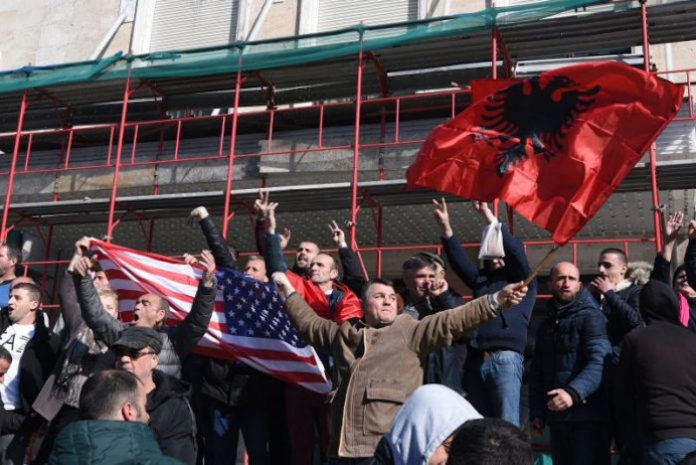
[119,148]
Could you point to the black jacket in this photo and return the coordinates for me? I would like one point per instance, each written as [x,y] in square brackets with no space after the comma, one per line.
[171,418]
[178,341]
[570,353]
[508,330]
[658,373]
[445,365]
[622,309]
[229,382]
[37,361]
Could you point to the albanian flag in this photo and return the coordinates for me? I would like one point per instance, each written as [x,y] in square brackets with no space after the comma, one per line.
[554,147]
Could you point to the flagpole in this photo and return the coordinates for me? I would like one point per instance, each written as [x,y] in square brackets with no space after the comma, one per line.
[544,261]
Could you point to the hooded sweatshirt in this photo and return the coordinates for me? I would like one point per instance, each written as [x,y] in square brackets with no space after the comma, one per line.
[429,417]
[657,370]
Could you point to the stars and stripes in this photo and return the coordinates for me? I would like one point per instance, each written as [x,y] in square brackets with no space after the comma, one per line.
[248,324]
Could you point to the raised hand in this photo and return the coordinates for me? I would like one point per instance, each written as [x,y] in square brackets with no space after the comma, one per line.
[512,294]
[483,210]
[285,238]
[81,266]
[692,229]
[673,226]
[337,234]
[198,214]
[437,287]
[266,209]
[603,284]
[442,217]
[208,262]
[282,283]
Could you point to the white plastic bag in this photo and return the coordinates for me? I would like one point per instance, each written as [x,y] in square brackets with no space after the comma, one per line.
[492,242]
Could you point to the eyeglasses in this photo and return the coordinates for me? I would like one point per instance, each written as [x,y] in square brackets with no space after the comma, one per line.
[133,354]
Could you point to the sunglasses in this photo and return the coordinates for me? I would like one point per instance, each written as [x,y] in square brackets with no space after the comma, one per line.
[133,354]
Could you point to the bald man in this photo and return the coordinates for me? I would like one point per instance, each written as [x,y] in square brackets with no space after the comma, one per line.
[566,384]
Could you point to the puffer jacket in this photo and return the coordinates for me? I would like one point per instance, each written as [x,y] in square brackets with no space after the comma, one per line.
[571,351]
[107,442]
[178,340]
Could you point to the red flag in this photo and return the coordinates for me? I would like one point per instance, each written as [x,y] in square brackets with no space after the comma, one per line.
[554,147]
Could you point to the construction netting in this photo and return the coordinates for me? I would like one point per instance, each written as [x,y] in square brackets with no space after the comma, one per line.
[275,53]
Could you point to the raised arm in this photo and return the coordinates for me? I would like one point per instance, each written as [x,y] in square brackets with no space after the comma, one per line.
[216,243]
[106,328]
[456,256]
[352,274]
[261,227]
[69,306]
[516,262]
[317,331]
[186,334]
[441,329]
[661,267]
[273,251]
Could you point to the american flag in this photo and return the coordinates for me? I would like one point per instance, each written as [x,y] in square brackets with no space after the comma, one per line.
[248,324]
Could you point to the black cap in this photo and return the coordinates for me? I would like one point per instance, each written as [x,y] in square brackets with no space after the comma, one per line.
[138,337]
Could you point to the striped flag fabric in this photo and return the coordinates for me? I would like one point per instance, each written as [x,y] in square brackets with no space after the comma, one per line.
[249,323]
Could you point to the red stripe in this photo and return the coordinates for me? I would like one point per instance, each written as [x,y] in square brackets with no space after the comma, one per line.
[292,376]
[221,349]
[168,275]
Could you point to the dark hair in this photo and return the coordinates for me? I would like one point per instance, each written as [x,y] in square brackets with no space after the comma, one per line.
[13,252]
[105,392]
[678,270]
[618,252]
[367,285]
[417,262]
[5,355]
[33,290]
[489,441]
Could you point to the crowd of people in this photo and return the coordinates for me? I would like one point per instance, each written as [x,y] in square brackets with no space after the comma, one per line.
[420,375]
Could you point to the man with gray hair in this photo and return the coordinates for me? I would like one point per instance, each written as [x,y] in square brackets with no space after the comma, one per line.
[427,293]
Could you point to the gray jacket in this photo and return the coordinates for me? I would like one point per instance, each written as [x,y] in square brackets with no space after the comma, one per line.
[178,340]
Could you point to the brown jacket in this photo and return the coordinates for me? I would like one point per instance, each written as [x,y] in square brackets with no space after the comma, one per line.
[378,368]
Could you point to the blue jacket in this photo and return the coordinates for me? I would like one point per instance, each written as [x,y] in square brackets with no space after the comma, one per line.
[571,350]
[508,330]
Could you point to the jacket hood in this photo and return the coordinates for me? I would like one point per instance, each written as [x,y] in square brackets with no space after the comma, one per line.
[658,303]
[105,442]
[167,388]
[427,418]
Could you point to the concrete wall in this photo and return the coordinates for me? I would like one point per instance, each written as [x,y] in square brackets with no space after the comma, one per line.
[43,32]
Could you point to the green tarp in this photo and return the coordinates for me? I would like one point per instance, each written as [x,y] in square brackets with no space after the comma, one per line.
[275,53]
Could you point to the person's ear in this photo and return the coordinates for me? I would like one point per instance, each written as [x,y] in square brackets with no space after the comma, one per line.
[129,412]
